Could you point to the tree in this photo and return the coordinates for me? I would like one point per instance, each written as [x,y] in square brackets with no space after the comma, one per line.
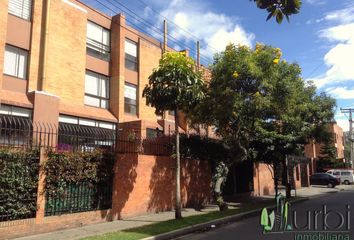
[279,8]
[175,85]
[232,103]
[262,107]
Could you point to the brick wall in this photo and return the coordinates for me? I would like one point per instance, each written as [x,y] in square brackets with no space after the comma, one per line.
[66,55]
[312,150]
[263,182]
[36,44]
[146,184]
[27,227]
[149,59]
[3,27]
[142,184]
[297,176]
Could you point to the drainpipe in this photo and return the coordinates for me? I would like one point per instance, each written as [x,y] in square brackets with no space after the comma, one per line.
[45,35]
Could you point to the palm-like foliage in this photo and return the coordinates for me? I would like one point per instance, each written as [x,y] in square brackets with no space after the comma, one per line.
[279,8]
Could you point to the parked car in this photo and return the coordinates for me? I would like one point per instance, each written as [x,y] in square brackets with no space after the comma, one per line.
[325,179]
[346,176]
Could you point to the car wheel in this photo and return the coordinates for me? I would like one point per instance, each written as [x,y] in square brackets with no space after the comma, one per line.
[346,182]
[330,185]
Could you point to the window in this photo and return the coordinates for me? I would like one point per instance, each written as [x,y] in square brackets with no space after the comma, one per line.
[151,133]
[345,173]
[85,134]
[98,41]
[15,62]
[130,98]
[131,55]
[15,125]
[86,122]
[96,90]
[21,8]
[15,111]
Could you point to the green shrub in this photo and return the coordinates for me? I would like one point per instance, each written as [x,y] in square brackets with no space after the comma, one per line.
[63,168]
[19,171]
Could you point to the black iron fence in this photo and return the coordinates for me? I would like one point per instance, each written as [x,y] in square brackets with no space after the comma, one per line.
[22,132]
[19,182]
[159,146]
[80,197]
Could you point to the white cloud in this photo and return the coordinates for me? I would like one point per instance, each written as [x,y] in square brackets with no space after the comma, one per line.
[340,57]
[215,29]
[316,2]
[343,15]
[341,92]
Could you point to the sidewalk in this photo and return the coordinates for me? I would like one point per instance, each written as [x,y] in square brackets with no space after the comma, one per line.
[107,227]
[315,191]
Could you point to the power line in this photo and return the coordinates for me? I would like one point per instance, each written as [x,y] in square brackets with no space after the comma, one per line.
[148,25]
[314,70]
[176,25]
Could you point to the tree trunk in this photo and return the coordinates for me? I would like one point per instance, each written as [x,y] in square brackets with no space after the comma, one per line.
[276,178]
[178,207]
[285,179]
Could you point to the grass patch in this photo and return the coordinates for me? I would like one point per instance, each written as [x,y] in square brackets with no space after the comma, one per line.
[170,225]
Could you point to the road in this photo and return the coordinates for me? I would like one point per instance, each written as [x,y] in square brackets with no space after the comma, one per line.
[250,228]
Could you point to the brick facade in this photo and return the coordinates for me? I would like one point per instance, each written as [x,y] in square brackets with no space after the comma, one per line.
[313,150]
[55,85]
[3,27]
[146,184]
[263,183]
[142,184]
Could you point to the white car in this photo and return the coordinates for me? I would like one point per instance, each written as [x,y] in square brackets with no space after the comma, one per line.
[346,176]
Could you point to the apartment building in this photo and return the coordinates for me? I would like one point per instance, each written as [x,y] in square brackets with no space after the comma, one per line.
[65,62]
[313,150]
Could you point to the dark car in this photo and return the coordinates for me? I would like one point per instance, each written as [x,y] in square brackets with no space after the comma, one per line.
[324,179]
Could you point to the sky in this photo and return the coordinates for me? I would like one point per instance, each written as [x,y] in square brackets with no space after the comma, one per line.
[320,38]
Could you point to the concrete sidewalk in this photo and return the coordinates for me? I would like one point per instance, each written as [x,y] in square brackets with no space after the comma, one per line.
[107,227]
[314,191]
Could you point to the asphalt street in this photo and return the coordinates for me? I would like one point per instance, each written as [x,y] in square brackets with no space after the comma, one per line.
[250,228]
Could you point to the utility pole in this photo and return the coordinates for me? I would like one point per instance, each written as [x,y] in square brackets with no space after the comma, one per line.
[350,111]
[164,36]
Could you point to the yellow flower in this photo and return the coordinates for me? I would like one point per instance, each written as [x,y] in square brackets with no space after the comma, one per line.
[276,61]
[235,74]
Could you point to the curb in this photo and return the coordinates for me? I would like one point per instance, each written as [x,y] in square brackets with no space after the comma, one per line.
[217,222]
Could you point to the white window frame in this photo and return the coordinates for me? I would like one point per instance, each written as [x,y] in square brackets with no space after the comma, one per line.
[18,73]
[86,122]
[97,42]
[15,111]
[103,101]
[131,54]
[129,96]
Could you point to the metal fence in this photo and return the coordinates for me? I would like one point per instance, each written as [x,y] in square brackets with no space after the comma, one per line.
[20,133]
[80,197]
[159,146]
